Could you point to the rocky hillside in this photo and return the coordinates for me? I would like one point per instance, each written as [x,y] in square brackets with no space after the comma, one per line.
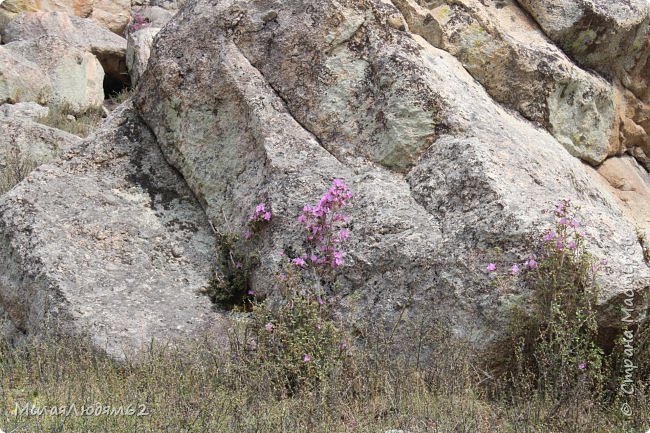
[456,124]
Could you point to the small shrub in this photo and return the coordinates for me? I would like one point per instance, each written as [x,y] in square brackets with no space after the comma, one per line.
[555,340]
[121,95]
[229,285]
[292,342]
[138,22]
[292,337]
[18,166]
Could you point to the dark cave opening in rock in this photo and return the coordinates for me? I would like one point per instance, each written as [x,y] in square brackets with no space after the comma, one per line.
[114,85]
[116,75]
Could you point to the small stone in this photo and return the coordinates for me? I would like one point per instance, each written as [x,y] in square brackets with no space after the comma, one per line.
[396,22]
[269,16]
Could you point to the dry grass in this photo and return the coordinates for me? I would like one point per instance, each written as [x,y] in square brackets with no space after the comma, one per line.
[199,388]
[81,124]
[17,167]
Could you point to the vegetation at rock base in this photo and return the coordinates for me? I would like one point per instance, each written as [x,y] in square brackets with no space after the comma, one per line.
[199,388]
[63,117]
[292,366]
[560,354]
[121,96]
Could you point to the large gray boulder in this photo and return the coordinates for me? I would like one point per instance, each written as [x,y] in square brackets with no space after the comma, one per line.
[613,38]
[75,75]
[609,36]
[85,33]
[268,101]
[510,56]
[106,242]
[22,80]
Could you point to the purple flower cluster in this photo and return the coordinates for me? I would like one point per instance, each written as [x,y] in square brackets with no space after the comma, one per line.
[261,214]
[322,222]
[139,22]
[566,233]
[565,237]
[515,269]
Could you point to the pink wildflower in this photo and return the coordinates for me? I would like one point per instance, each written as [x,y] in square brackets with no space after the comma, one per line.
[515,269]
[549,236]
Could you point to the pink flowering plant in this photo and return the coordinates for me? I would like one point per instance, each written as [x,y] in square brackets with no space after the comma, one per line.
[325,227]
[555,335]
[292,340]
[138,22]
[291,336]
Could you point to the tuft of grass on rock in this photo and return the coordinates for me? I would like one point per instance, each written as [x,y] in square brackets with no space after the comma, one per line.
[121,96]
[64,118]
[17,166]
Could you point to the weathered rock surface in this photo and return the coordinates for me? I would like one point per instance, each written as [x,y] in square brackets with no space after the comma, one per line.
[634,127]
[612,37]
[109,48]
[29,110]
[155,16]
[21,79]
[507,53]
[268,101]
[138,52]
[35,142]
[111,14]
[107,241]
[26,144]
[76,76]
[631,185]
